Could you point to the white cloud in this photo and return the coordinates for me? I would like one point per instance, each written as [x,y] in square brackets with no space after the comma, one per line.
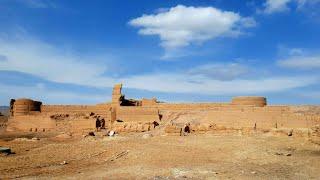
[301,62]
[302,3]
[48,96]
[40,4]
[57,65]
[51,63]
[181,26]
[294,51]
[226,71]
[184,83]
[274,6]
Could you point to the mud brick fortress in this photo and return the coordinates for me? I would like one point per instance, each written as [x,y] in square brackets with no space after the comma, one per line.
[245,114]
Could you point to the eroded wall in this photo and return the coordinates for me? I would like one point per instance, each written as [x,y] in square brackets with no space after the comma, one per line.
[101,109]
[31,123]
[241,113]
[242,117]
[135,119]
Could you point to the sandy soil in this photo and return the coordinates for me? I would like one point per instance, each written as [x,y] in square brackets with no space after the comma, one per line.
[201,156]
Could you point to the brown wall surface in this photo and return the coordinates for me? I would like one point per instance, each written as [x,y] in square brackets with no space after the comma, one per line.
[137,114]
[101,109]
[25,106]
[31,123]
[243,112]
[238,117]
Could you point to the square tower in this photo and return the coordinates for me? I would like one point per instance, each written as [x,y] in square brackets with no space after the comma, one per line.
[116,95]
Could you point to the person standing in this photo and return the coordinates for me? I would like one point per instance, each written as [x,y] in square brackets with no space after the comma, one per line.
[103,123]
[98,124]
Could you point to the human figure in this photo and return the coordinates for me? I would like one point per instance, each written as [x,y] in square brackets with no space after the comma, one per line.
[187,129]
[155,124]
[103,123]
[98,124]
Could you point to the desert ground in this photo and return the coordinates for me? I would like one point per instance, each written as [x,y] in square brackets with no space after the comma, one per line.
[140,156]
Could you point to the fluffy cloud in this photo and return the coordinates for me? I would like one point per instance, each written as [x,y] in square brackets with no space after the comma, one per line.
[48,62]
[301,62]
[54,64]
[227,71]
[273,6]
[181,26]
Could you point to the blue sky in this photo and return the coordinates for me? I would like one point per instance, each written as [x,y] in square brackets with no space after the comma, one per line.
[72,52]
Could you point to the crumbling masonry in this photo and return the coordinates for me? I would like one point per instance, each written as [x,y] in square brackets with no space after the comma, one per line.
[128,115]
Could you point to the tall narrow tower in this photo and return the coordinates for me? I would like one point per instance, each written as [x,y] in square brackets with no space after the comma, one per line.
[116,95]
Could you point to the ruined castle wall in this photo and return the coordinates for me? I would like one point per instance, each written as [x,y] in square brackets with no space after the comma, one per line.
[25,106]
[45,118]
[33,123]
[79,120]
[238,117]
[101,109]
[82,125]
[116,95]
[187,106]
[135,119]
[249,100]
[137,114]
[79,125]
[132,127]
[148,102]
[242,112]
[242,117]
[3,122]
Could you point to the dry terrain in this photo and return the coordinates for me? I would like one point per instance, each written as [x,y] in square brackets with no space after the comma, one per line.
[138,156]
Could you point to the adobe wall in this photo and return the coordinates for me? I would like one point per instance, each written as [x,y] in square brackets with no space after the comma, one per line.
[135,119]
[187,106]
[101,109]
[3,122]
[140,114]
[261,118]
[25,106]
[32,123]
[249,100]
[140,118]
[29,115]
[244,112]
[148,102]
[243,117]
[44,123]
[116,95]
[75,124]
